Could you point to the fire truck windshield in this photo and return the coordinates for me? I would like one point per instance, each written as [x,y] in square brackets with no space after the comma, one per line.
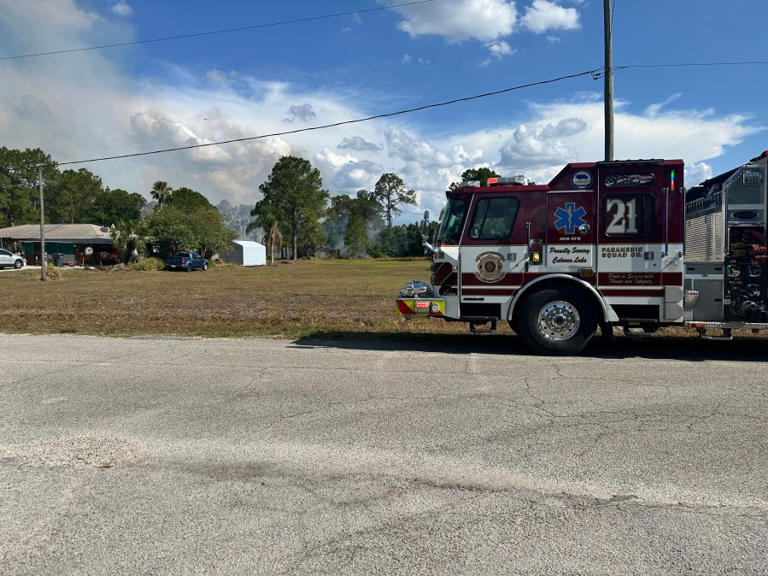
[453,221]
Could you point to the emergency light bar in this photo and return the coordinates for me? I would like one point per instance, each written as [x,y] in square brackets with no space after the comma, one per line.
[518,180]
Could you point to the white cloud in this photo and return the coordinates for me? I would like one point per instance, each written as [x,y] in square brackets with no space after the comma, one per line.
[350,176]
[301,112]
[696,173]
[460,20]
[334,160]
[544,15]
[49,14]
[654,109]
[487,21]
[499,49]
[359,144]
[122,9]
[563,132]
[404,146]
[90,108]
[216,75]
[28,26]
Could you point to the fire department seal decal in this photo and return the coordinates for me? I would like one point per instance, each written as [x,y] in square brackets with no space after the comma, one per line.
[490,267]
[581,179]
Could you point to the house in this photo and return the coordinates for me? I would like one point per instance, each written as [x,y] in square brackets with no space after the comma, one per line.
[84,243]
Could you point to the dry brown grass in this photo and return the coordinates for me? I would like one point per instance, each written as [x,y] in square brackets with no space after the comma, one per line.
[308,298]
[292,300]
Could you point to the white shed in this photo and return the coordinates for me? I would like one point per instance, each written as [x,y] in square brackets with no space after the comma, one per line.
[246,253]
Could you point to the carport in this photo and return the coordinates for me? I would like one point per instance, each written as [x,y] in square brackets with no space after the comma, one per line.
[84,243]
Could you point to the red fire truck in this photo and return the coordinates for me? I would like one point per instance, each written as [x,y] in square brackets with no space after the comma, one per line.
[603,244]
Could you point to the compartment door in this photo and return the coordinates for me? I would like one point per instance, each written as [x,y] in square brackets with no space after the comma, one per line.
[570,231]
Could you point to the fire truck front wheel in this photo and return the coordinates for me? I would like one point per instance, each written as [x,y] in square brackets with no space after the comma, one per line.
[557,321]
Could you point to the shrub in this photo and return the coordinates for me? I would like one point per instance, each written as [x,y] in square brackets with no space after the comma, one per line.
[52,272]
[148,265]
[375,251]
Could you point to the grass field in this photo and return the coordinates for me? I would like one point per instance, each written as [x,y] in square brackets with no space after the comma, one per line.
[321,298]
[292,300]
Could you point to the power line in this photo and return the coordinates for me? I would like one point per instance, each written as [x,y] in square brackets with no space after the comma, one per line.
[336,124]
[595,73]
[693,64]
[216,32]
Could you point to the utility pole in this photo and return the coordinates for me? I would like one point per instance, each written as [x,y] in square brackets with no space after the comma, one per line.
[42,222]
[608,25]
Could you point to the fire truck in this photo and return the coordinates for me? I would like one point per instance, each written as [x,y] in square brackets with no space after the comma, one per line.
[604,244]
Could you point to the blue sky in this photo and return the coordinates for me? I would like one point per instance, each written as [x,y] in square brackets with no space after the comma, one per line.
[246,83]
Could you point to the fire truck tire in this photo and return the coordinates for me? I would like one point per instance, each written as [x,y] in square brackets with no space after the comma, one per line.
[557,321]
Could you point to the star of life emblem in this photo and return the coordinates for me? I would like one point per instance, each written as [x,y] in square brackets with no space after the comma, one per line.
[570,218]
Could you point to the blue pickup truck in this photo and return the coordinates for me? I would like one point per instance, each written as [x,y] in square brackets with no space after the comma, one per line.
[186,261]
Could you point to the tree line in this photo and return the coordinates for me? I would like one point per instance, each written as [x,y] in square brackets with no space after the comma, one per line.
[176,219]
[296,216]
[72,196]
[301,214]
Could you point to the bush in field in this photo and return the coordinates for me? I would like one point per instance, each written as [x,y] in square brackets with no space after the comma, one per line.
[52,272]
[375,251]
[148,265]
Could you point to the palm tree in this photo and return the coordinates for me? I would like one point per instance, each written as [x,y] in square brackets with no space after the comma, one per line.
[161,192]
[274,237]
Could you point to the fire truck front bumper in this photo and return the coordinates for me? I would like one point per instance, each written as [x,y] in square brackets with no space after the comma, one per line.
[421,306]
[416,299]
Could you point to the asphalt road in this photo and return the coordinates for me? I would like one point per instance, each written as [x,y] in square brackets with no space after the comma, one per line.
[403,456]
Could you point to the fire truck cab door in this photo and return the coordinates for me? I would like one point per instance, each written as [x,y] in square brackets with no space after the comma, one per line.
[493,252]
[571,234]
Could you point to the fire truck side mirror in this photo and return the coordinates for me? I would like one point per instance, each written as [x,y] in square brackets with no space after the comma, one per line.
[425,226]
[425,233]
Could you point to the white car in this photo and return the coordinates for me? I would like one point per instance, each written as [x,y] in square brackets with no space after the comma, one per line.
[9,259]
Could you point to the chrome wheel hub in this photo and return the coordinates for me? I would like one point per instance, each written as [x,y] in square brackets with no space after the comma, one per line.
[558,320]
